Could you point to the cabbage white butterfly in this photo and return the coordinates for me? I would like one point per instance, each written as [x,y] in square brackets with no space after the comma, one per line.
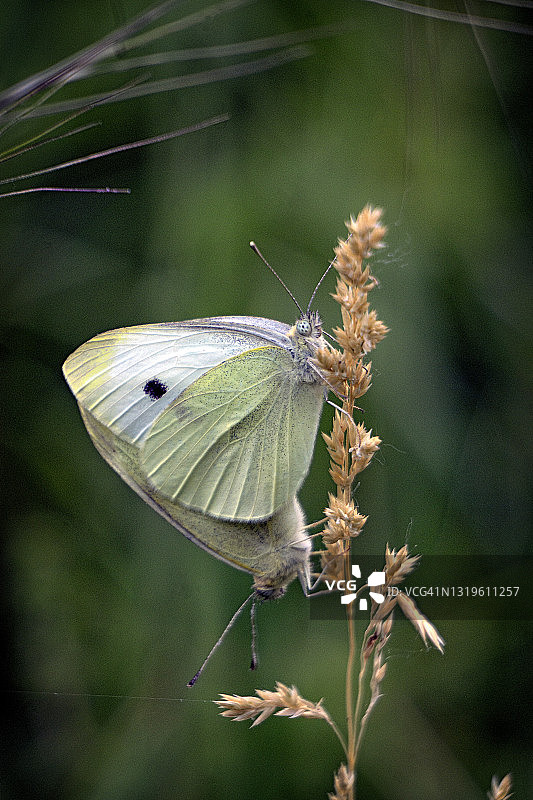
[213,423]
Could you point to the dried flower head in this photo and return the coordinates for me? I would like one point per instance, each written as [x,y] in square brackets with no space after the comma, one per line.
[350,448]
[398,565]
[344,521]
[289,702]
[365,235]
[425,628]
[351,299]
[382,611]
[371,331]
[343,784]
[377,639]
[362,447]
[332,559]
[332,366]
[361,330]
[501,790]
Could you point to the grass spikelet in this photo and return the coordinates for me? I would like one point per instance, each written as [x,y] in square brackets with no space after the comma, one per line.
[282,702]
[343,783]
[501,790]
[425,628]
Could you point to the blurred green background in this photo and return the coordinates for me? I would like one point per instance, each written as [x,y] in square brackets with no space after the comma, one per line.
[108,611]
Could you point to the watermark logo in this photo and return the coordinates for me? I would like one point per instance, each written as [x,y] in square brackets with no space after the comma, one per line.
[349,588]
[451,586]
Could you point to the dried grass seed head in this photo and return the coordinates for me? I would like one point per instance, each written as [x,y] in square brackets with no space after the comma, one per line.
[365,236]
[343,784]
[332,560]
[330,363]
[362,446]
[288,700]
[398,564]
[501,790]
[344,521]
[426,630]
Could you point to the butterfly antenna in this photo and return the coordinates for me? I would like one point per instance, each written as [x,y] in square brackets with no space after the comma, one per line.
[263,259]
[322,278]
[221,638]
[254,661]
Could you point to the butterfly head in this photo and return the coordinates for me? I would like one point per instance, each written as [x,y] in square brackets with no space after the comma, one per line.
[305,339]
[309,328]
[309,325]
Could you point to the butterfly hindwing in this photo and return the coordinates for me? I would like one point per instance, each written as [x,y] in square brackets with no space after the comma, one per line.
[238,442]
[274,550]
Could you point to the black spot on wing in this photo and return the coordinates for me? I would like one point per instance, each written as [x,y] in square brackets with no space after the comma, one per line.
[155,389]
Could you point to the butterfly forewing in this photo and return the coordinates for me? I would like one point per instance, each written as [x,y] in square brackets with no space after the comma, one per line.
[237,443]
[125,378]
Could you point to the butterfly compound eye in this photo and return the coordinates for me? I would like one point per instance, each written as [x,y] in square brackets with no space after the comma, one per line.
[303,326]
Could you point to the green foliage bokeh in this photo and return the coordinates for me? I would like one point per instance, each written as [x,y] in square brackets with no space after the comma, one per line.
[108,610]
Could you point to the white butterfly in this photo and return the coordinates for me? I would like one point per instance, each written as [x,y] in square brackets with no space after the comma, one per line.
[213,423]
